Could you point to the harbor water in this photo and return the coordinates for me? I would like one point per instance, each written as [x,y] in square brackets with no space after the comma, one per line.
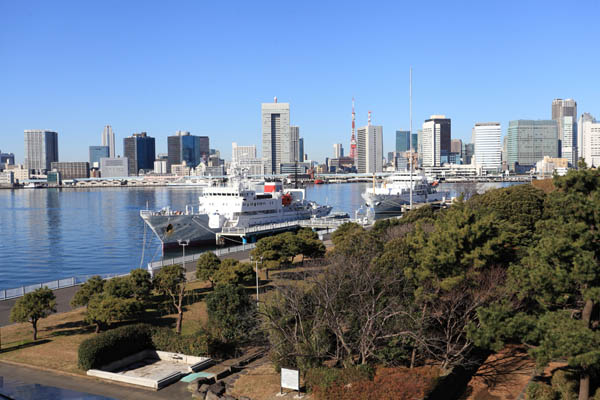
[49,234]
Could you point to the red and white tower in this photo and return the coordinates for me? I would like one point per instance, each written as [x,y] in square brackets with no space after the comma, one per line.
[353,137]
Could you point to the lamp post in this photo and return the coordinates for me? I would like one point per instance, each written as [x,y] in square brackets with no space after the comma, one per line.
[256,270]
[183,243]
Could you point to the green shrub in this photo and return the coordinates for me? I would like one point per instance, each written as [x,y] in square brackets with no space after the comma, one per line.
[566,384]
[197,344]
[541,391]
[113,345]
[323,377]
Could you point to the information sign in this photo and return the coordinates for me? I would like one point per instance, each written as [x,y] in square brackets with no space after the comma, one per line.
[290,379]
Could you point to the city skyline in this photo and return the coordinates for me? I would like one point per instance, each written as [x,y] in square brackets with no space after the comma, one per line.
[146,87]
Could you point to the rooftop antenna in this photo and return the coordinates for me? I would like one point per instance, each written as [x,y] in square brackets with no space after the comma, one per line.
[369,118]
[275,99]
[410,137]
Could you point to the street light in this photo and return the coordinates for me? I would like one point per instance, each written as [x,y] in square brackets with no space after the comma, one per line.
[183,243]
[256,270]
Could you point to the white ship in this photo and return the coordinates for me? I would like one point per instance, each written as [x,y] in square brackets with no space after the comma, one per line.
[236,204]
[389,198]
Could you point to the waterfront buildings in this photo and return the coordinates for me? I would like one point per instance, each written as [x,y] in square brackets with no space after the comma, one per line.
[140,151]
[488,150]
[563,108]
[71,170]
[569,141]
[41,149]
[96,153]
[189,148]
[108,139]
[585,117]
[7,179]
[295,138]
[548,165]
[369,146]
[338,150]
[277,145]
[591,142]
[114,167]
[160,167]
[435,141]
[528,141]
[242,153]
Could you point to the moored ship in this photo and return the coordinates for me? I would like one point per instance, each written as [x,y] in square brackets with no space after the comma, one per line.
[236,204]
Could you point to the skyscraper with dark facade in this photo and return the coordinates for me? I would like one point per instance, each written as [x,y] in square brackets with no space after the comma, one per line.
[96,153]
[41,149]
[189,148]
[140,150]
[529,141]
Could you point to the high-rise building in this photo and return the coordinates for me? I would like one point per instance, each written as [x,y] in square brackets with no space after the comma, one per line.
[301,157]
[468,151]
[6,158]
[108,139]
[369,146]
[295,138]
[569,141]
[96,153]
[488,149]
[563,108]
[529,141]
[189,148]
[402,141]
[41,149]
[277,146]
[585,117]
[114,167]
[140,150]
[71,170]
[338,150]
[242,153]
[456,146]
[591,141]
[435,141]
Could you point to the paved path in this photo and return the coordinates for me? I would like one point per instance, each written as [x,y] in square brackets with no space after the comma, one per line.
[95,386]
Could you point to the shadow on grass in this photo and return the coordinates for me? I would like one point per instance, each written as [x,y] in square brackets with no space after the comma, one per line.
[69,329]
[24,345]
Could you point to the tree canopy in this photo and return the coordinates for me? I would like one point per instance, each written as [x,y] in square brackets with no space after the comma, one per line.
[34,306]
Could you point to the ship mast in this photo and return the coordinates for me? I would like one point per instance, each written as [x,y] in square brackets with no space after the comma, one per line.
[410,148]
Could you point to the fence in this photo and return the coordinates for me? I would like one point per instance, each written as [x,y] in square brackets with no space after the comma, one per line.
[7,294]
[153,267]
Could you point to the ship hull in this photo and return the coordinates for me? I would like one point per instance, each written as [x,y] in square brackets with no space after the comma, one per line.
[392,205]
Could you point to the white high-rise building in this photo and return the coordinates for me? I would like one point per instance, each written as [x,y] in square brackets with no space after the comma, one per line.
[41,150]
[338,150]
[108,139]
[569,142]
[591,142]
[434,140]
[295,138]
[242,153]
[369,146]
[488,147]
[585,117]
[277,146]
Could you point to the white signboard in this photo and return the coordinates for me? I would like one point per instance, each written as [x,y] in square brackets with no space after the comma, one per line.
[290,379]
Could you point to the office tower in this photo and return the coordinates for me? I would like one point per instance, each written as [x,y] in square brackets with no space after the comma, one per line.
[96,153]
[71,170]
[108,139]
[456,146]
[415,141]
[114,167]
[488,149]
[563,108]
[186,147]
[468,151]
[242,153]
[140,150]
[585,117]
[591,141]
[41,149]
[369,146]
[435,140]
[569,142]
[6,158]
[402,141]
[295,138]
[277,146]
[301,157]
[529,141]
[338,150]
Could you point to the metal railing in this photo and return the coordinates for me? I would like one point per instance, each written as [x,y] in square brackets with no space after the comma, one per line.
[7,294]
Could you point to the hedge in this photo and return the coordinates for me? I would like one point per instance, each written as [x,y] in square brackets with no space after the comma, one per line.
[197,344]
[114,345]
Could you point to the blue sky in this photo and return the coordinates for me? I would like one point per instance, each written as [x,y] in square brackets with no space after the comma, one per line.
[205,67]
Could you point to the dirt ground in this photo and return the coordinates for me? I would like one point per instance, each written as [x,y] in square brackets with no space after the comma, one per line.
[262,383]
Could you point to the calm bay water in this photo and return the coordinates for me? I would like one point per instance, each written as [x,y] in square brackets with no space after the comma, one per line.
[47,234]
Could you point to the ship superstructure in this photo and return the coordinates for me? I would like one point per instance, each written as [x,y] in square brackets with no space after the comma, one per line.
[236,204]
